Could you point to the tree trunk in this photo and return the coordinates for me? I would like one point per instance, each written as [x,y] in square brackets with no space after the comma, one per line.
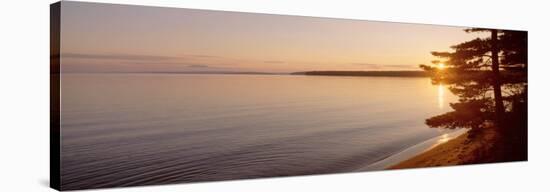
[499,105]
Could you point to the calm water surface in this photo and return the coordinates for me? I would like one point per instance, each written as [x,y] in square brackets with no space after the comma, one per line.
[136,129]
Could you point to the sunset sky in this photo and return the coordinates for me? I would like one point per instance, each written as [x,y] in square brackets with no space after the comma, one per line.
[122,38]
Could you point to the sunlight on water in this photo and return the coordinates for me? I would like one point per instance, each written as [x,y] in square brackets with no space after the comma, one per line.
[441,96]
[120,129]
[443,138]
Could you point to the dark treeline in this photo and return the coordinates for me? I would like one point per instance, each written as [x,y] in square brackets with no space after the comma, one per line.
[489,75]
[367,73]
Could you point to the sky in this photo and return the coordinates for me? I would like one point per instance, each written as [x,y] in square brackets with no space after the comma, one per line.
[123,38]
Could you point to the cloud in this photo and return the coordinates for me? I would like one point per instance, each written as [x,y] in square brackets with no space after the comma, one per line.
[379,66]
[198,66]
[367,64]
[274,62]
[117,56]
[185,64]
[205,56]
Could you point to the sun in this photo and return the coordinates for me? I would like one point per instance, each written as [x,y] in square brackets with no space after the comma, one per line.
[441,66]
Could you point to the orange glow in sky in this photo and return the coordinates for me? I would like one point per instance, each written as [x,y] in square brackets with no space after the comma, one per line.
[114,38]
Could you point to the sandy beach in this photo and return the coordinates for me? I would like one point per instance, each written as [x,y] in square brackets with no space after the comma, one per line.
[464,149]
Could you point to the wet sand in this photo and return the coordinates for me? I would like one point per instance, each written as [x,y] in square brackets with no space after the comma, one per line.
[458,151]
[413,151]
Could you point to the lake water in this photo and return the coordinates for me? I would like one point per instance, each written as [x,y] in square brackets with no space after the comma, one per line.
[136,129]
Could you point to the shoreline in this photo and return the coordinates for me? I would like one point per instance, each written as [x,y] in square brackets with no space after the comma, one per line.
[413,151]
[460,150]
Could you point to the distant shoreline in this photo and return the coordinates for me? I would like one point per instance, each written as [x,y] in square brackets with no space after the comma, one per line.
[307,73]
[366,73]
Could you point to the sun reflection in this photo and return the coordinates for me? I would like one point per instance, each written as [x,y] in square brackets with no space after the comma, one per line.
[443,138]
[440,95]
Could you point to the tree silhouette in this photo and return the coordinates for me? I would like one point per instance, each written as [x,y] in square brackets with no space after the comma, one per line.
[489,75]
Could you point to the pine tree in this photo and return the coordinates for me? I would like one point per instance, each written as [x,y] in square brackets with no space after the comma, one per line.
[489,75]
